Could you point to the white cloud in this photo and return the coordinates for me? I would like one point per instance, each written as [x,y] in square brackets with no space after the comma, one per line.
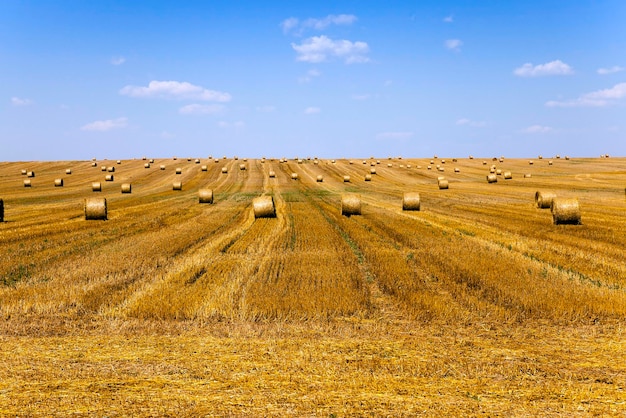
[312,110]
[118,60]
[454,44]
[16,101]
[105,125]
[321,48]
[294,24]
[198,109]
[600,98]
[289,24]
[266,109]
[556,67]
[394,135]
[175,90]
[310,75]
[448,19]
[537,129]
[471,123]
[612,70]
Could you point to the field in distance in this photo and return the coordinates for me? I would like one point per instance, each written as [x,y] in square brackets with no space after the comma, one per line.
[475,304]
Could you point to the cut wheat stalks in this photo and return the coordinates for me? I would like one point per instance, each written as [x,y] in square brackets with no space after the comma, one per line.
[319,178]
[95,208]
[27,183]
[350,204]
[492,178]
[127,188]
[205,196]
[58,182]
[263,207]
[96,186]
[565,211]
[177,185]
[411,201]
[443,184]
[543,200]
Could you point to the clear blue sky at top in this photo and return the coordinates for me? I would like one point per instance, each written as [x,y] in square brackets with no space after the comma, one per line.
[328,79]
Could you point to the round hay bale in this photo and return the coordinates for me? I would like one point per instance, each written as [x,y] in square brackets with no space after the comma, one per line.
[68,171]
[27,183]
[565,211]
[411,201]
[443,161]
[263,207]
[499,172]
[235,158]
[457,170]
[197,161]
[368,177]
[372,171]
[492,170]
[103,168]
[119,161]
[174,158]
[346,179]
[144,158]
[428,167]
[350,204]
[492,178]
[527,175]
[94,164]
[389,165]
[484,162]
[177,185]
[316,162]
[550,162]
[320,178]
[30,174]
[441,169]
[109,177]
[204,168]
[111,169]
[1,210]
[531,162]
[443,184]
[96,186]
[217,160]
[162,167]
[272,174]
[146,165]
[539,157]
[242,167]
[95,208]
[58,182]
[127,188]
[543,200]
[408,166]
[471,157]
[205,196]
[179,170]
[567,157]
[224,170]
[151,161]
[294,176]
[24,172]
[507,175]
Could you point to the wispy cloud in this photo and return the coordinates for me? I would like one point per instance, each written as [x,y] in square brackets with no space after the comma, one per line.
[175,90]
[16,101]
[321,48]
[537,129]
[118,60]
[454,44]
[599,98]
[311,110]
[309,76]
[471,123]
[556,67]
[198,109]
[105,125]
[611,70]
[448,19]
[394,135]
[294,24]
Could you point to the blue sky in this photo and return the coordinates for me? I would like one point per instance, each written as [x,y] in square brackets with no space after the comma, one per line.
[122,79]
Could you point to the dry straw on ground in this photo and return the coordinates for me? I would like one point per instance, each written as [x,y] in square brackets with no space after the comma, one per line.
[127,188]
[205,196]
[543,200]
[565,211]
[411,201]
[350,204]
[263,207]
[95,209]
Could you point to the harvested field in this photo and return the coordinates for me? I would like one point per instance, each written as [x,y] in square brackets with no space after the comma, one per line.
[475,304]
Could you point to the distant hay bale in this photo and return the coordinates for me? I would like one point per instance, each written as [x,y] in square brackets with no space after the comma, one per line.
[316,162]
[350,204]
[177,185]
[346,179]
[119,161]
[263,207]
[58,182]
[30,174]
[507,175]
[144,158]
[242,167]
[543,200]
[103,168]
[224,170]
[197,161]
[372,171]
[401,165]
[126,188]
[443,184]
[95,208]
[457,170]
[539,157]
[499,172]
[454,160]
[68,171]
[24,172]
[389,165]
[217,160]
[441,178]
[179,170]
[558,156]
[565,211]
[408,166]
[235,158]
[111,169]
[441,169]
[174,158]
[146,165]
[484,162]
[27,183]
[294,176]
[94,164]
[272,174]
[432,162]
[205,196]
[531,162]
[492,178]
[471,157]
[443,161]
[527,175]
[109,177]
[567,157]
[96,186]
[368,177]
[550,162]
[204,168]
[429,167]
[319,178]
[300,161]
[411,201]
[162,167]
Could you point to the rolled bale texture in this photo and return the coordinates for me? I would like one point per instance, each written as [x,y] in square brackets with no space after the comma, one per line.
[27,183]
[543,200]
[109,177]
[565,211]
[411,201]
[346,179]
[68,171]
[263,207]
[127,188]
[443,184]
[58,182]
[492,178]
[350,204]
[95,208]
[224,170]
[368,177]
[177,185]
[507,175]
[96,186]
[294,176]
[272,174]
[320,178]
[205,196]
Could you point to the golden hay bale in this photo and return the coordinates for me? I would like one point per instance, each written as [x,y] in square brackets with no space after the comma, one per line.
[177,185]
[294,176]
[441,169]
[126,188]
[68,171]
[235,157]
[109,177]
[272,174]
[1,210]
[111,169]
[30,174]
[242,167]
[174,158]
[455,160]
[205,196]
[27,183]
[443,184]
[94,164]
[565,211]
[471,157]
[531,162]
[58,182]
[103,168]
[457,170]
[96,186]
[224,170]
[411,201]
[408,166]
[492,178]
[144,158]
[401,165]
[527,175]
[179,170]
[558,156]
[543,200]
[372,171]
[550,162]
[432,162]
[151,161]
[567,157]
[429,167]
[146,165]
[539,157]
[197,161]
[492,170]
[95,208]
[368,177]
[119,161]
[346,179]
[484,162]
[217,160]
[364,162]
[263,207]
[320,178]
[443,161]
[162,167]
[499,172]
[441,178]
[350,204]
[316,162]
[507,175]
[204,168]
[24,172]
[389,165]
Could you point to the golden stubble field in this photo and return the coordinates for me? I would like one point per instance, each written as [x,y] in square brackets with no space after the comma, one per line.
[475,305]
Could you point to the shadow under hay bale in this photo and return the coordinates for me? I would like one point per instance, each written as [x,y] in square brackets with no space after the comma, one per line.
[565,211]
[543,200]
[411,201]
[263,207]
[1,210]
[350,204]
[95,209]
[205,196]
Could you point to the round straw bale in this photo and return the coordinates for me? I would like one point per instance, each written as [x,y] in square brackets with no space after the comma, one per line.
[507,175]
[316,162]
[95,208]
[531,162]
[68,171]
[539,157]
[235,157]
[94,164]
[111,169]
[204,168]
[401,165]
[320,178]
[471,157]
[550,162]
[58,182]
[119,161]
[109,177]
[179,170]
[242,167]
[441,178]
[441,169]
[454,160]
[30,174]
[24,172]
[372,171]
[457,170]
[443,161]
[408,166]
[565,211]
[346,179]
[177,185]
[245,160]
[492,170]
[429,167]
[499,172]
[217,160]
[543,200]
[350,204]
[197,161]
[146,165]
[368,177]
[527,175]
[272,174]
[263,207]
[144,158]
[411,201]
[162,167]
[126,188]
[432,162]
[27,183]
[103,168]
[151,161]
[558,156]
[205,196]
[294,176]
[224,170]
[567,157]
[96,186]
[443,184]
[174,158]
[492,178]
[389,165]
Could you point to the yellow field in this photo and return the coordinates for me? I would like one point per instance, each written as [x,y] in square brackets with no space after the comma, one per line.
[475,305]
